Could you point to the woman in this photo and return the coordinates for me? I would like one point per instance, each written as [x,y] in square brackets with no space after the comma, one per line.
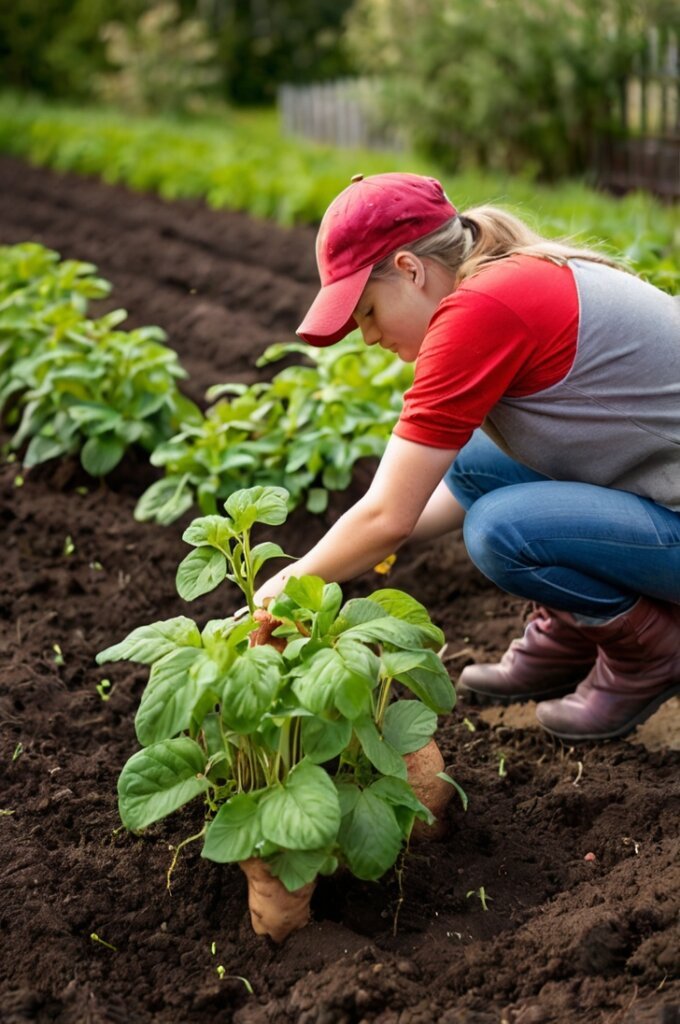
[569,494]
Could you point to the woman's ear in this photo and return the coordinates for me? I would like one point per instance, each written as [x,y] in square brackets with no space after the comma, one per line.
[410,267]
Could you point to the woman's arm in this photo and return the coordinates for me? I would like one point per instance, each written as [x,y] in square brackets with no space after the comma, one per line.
[378,523]
[442,514]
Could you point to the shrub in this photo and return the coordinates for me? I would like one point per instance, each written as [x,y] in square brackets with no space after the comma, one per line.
[165,63]
[503,85]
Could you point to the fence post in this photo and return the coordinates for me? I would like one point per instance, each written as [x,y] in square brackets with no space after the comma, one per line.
[342,113]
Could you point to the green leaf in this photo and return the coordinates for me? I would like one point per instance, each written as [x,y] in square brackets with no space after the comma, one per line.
[250,688]
[408,725]
[204,708]
[147,644]
[99,455]
[402,606]
[317,500]
[262,553]
[317,680]
[356,612]
[41,449]
[370,836]
[158,780]
[348,794]
[200,572]
[331,599]
[325,680]
[306,591]
[304,813]
[399,793]
[323,739]
[360,660]
[396,632]
[234,832]
[379,752]
[458,788]
[257,505]
[354,697]
[431,683]
[209,531]
[395,663]
[295,868]
[170,696]
[165,501]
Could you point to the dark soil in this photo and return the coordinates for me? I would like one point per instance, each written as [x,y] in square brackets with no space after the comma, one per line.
[564,939]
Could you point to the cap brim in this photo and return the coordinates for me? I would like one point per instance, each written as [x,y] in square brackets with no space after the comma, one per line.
[330,316]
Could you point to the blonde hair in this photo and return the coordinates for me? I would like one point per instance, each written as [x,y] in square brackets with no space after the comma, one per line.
[483,235]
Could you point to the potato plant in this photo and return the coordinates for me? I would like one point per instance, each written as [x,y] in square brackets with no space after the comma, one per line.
[304,430]
[73,385]
[33,280]
[294,747]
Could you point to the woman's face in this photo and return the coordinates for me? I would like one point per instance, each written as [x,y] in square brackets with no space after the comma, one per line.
[394,312]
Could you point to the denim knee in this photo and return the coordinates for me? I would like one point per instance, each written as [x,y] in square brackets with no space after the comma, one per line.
[481,467]
[492,540]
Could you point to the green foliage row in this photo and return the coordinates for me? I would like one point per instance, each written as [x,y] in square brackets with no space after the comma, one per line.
[296,744]
[70,385]
[73,385]
[305,429]
[241,162]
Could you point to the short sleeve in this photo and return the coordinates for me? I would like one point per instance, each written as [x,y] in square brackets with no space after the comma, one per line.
[511,331]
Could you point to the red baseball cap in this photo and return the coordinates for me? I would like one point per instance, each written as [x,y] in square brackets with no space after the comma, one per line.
[370,219]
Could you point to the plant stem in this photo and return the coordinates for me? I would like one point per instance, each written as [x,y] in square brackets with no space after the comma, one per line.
[189,839]
[249,589]
[283,752]
[383,700]
[297,741]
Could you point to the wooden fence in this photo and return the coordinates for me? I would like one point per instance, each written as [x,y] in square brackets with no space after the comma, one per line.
[643,148]
[341,113]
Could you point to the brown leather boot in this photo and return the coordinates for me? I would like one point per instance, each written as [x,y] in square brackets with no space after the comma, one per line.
[638,668]
[548,661]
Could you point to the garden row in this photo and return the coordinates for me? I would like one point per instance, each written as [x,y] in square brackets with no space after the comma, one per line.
[242,162]
[246,721]
[69,384]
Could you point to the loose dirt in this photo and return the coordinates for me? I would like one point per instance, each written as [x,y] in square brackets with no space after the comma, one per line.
[565,939]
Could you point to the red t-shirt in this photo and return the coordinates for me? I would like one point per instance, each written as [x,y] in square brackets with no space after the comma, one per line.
[509,330]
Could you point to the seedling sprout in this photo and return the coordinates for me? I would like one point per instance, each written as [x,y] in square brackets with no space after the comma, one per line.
[222,972]
[104,689]
[481,894]
[95,938]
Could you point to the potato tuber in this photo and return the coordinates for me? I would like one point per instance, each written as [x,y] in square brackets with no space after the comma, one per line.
[263,634]
[273,910]
[422,767]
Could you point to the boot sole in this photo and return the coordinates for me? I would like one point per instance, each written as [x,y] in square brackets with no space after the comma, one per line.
[482,698]
[623,730]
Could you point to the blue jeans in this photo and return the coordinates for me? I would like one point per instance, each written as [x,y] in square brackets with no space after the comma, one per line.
[570,546]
